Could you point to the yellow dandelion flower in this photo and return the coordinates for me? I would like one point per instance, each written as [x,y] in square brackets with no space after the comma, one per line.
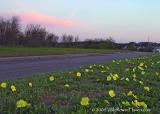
[141,64]
[84,101]
[127,79]
[30,84]
[135,96]
[134,79]
[66,85]
[91,70]
[146,89]
[141,82]
[3,84]
[13,88]
[22,104]
[130,93]
[135,103]
[115,76]
[140,68]
[134,69]
[51,78]
[78,74]
[144,105]
[134,75]
[102,66]
[86,70]
[125,103]
[109,78]
[112,93]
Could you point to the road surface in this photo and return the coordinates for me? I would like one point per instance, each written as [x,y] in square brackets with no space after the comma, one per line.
[11,68]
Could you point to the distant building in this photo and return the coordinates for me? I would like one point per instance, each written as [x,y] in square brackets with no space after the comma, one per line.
[156,50]
[141,46]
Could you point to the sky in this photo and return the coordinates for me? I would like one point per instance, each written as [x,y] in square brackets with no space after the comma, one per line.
[124,20]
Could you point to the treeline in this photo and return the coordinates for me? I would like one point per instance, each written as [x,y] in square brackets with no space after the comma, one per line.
[13,34]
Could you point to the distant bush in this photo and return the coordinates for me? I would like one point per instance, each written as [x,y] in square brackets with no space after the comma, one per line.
[146,49]
[132,48]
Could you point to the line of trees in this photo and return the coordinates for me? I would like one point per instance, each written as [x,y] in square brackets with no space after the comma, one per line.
[12,34]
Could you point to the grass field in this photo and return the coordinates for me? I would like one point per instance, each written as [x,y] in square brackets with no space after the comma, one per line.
[132,85]
[13,51]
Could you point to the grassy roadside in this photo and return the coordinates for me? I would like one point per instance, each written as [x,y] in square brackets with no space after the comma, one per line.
[13,51]
[128,84]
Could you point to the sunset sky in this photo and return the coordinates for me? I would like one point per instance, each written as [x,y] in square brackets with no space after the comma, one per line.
[124,20]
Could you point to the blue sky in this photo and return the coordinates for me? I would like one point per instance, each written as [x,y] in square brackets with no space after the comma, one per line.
[124,20]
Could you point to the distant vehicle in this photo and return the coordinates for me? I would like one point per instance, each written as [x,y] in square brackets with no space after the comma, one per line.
[156,50]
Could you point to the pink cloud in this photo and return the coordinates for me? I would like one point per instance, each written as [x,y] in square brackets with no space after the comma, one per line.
[37,18]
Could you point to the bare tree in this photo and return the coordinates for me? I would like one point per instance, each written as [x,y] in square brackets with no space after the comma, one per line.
[70,38]
[76,39]
[67,38]
[13,31]
[64,38]
[2,30]
[52,39]
[9,31]
[110,39]
[35,35]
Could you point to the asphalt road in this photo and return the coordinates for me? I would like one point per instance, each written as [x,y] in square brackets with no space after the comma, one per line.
[11,68]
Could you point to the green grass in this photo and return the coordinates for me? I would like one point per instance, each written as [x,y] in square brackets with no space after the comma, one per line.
[53,97]
[22,51]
